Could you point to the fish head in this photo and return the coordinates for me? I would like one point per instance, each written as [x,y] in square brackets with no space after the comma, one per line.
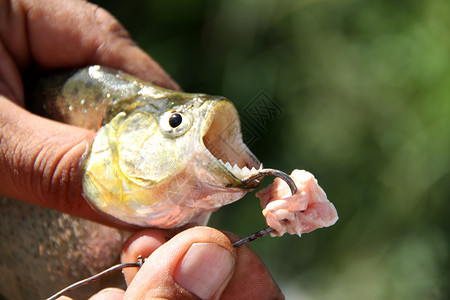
[165,159]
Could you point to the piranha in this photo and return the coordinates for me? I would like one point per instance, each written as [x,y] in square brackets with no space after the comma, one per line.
[161,158]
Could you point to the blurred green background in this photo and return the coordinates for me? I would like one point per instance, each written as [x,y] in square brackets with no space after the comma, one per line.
[364,87]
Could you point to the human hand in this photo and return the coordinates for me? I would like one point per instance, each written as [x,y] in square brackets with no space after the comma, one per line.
[39,158]
[197,263]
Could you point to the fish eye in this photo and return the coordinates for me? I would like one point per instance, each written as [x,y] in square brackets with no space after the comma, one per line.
[175,123]
[175,120]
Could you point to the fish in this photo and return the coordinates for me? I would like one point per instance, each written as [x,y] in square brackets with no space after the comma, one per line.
[160,158]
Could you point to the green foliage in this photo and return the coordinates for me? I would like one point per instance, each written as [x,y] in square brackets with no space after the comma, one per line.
[365,90]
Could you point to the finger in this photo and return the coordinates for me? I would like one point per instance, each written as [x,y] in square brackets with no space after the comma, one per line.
[10,80]
[251,279]
[198,262]
[57,34]
[86,34]
[109,294]
[105,294]
[142,243]
[40,161]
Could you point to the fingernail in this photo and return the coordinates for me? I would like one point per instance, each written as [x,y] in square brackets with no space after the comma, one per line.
[205,269]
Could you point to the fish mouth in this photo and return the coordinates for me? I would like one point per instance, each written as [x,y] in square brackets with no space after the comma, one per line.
[222,138]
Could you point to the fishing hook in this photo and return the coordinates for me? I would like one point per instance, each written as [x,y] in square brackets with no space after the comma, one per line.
[254,177]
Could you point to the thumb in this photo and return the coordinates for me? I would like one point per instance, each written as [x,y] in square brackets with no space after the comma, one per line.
[196,263]
[40,158]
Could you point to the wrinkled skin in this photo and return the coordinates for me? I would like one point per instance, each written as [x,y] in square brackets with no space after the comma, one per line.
[40,158]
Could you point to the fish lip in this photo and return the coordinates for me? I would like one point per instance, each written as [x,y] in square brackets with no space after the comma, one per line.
[222,139]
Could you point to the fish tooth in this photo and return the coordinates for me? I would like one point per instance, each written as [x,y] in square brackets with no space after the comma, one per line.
[237,171]
[246,173]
